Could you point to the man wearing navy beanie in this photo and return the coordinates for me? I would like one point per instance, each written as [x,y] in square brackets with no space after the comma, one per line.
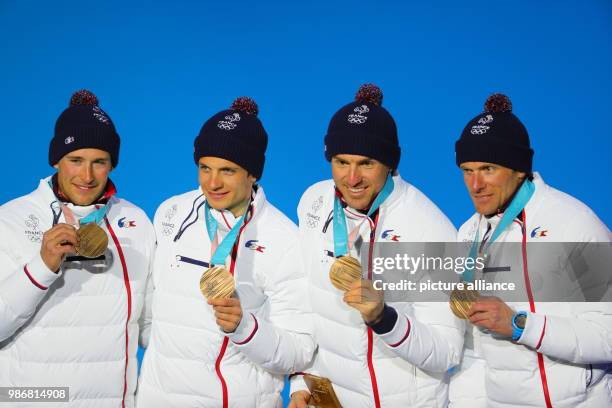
[75,266]
[233,351]
[538,348]
[371,353]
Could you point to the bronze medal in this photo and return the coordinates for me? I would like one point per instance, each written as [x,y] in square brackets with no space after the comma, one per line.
[92,240]
[461,301]
[344,271]
[322,392]
[217,283]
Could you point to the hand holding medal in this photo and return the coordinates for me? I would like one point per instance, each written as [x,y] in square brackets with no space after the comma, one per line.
[57,242]
[217,286]
[461,301]
[367,300]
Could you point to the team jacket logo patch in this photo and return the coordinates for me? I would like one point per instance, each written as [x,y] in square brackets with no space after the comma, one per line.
[537,233]
[254,246]
[33,233]
[312,220]
[168,225]
[389,236]
[122,223]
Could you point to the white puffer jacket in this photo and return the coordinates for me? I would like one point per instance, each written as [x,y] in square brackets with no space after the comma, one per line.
[407,366]
[190,362]
[574,339]
[77,328]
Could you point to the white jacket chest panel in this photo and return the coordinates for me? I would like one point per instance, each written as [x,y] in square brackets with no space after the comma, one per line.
[96,285]
[186,326]
[182,263]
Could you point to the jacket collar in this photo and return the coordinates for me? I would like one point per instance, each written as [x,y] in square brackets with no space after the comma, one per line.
[540,191]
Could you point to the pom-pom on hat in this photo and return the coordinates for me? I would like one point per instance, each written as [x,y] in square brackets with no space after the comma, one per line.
[496,136]
[363,127]
[84,125]
[235,134]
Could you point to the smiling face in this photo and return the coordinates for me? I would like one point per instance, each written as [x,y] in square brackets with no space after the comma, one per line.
[226,185]
[490,185]
[358,178]
[82,175]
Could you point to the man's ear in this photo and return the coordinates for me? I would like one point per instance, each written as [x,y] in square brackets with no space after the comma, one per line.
[521,175]
[252,178]
[56,166]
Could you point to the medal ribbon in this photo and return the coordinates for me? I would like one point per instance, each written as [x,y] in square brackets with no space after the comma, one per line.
[96,216]
[219,253]
[517,204]
[341,238]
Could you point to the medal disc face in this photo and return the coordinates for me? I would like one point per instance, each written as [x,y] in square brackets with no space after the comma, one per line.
[92,240]
[344,271]
[460,302]
[217,283]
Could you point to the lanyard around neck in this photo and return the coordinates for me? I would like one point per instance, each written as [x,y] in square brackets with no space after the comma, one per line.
[96,216]
[341,240]
[223,250]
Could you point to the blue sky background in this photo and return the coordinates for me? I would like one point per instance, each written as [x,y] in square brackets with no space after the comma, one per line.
[161,69]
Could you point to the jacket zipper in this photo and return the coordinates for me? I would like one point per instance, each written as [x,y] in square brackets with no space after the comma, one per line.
[369,329]
[541,366]
[226,339]
[126,281]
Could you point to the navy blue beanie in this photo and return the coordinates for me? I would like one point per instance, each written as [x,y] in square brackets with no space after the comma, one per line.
[235,134]
[365,128]
[84,125]
[496,136]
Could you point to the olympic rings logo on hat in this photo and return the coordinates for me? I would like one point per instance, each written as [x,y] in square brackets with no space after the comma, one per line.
[229,124]
[479,130]
[359,118]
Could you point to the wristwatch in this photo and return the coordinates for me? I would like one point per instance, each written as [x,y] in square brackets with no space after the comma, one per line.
[518,325]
